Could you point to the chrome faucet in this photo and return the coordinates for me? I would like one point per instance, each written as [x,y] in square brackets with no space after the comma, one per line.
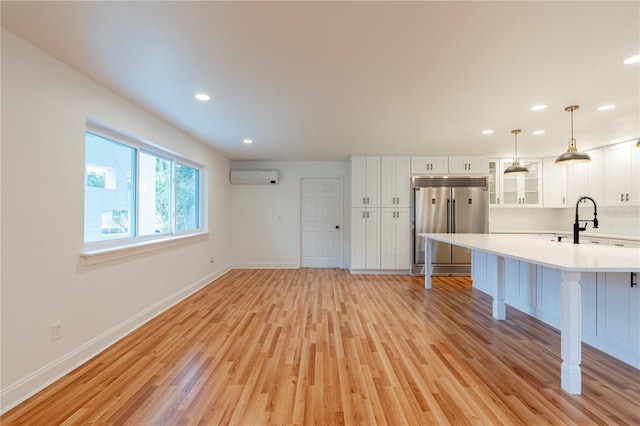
[576,225]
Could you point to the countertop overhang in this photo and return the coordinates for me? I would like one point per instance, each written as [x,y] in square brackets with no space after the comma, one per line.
[543,251]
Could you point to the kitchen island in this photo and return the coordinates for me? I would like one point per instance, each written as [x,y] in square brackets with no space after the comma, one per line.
[570,259]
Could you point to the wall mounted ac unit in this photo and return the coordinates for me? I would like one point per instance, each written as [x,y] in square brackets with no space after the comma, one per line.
[253,177]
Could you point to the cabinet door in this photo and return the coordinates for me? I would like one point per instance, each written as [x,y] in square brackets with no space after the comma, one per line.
[373,182]
[634,187]
[554,188]
[578,181]
[358,241]
[532,184]
[548,297]
[494,182]
[429,165]
[403,181]
[396,182]
[617,310]
[617,171]
[387,184]
[595,178]
[388,238]
[468,165]
[403,239]
[372,239]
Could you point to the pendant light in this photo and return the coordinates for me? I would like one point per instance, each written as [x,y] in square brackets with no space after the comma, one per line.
[572,155]
[516,168]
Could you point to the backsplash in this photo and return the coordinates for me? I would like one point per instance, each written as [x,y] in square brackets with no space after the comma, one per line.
[622,221]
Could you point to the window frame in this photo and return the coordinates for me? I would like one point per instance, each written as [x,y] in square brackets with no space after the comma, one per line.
[92,249]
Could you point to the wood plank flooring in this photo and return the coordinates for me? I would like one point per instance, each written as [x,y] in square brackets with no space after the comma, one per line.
[321,346]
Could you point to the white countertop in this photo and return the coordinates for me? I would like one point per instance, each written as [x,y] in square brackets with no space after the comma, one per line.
[541,250]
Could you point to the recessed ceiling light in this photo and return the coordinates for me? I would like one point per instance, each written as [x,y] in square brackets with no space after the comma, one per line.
[538,107]
[487,132]
[202,97]
[606,107]
[632,60]
[538,132]
[247,141]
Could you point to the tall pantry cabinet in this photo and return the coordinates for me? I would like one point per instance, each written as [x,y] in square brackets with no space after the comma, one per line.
[380,233]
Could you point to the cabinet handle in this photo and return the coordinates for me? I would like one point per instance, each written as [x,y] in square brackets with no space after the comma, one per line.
[627,197]
[621,197]
[469,166]
[364,200]
[563,200]
[633,283]
[497,200]
[367,201]
[364,215]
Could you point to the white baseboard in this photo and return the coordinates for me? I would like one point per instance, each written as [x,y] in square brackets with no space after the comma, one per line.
[265,265]
[379,272]
[28,386]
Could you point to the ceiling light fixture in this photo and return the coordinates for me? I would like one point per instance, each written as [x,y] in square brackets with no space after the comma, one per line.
[247,141]
[632,60]
[538,107]
[202,97]
[606,107]
[516,168]
[572,155]
[487,132]
[538,132]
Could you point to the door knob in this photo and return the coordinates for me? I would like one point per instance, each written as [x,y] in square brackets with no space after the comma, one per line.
[337,226]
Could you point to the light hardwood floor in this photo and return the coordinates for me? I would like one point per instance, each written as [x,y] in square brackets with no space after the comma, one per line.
[321,346]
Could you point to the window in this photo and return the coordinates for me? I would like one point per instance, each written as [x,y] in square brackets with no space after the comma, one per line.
[135,191]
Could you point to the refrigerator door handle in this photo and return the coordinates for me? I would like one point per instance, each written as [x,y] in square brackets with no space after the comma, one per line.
[453,216]
[448,216]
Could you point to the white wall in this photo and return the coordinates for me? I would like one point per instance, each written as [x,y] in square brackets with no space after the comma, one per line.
[44,280]
[259,238]
[613,221]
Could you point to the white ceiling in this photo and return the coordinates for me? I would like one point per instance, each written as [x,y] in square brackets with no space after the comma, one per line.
[325,80]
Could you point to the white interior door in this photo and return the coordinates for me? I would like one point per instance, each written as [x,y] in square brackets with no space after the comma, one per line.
[321,223]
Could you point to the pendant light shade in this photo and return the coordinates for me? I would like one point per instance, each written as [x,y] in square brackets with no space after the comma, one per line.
[516,168]
[637,143]
[572,155]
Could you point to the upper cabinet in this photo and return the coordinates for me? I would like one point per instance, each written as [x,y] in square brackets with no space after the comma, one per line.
[586,179]
[396,182]
[365,181]
[494,182]
[468,165]
[554,183]
[521,190]
[430,165]
[621,175]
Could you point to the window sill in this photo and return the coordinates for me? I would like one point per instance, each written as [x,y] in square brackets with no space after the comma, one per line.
[92,257]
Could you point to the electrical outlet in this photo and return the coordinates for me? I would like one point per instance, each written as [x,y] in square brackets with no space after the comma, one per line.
[212,260]
[56,331]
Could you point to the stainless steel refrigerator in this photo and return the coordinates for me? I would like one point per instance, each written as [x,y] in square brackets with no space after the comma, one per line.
[447,205]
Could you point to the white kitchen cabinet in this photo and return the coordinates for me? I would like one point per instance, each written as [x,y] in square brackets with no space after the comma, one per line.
[520,285]
[433,165]
[469,165]
[554,183]
[547,294]
[365,238]
[521,190]
[621,175]
[495,175]
[586,179]
[484,271]
[395,239]
[365,181]
[395,182]
[618,304]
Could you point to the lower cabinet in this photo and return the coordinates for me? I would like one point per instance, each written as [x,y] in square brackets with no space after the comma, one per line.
[618,304]
[610,304]
[365,238]
[395,239]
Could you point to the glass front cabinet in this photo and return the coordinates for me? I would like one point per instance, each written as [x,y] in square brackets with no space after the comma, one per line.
[517,190]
